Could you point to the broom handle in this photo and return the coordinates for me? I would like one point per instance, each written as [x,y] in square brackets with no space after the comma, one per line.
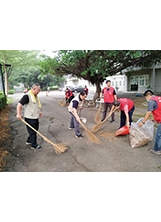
[81,123]
[109,115]
[37,132]
[100,106]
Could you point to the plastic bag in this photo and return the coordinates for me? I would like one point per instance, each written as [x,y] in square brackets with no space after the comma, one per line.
[140,136]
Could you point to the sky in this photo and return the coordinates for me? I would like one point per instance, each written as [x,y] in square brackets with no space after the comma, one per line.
[49,53]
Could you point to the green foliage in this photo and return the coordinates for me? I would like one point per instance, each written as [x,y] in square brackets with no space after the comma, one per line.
[92,65]
[11,91]
[3,102]
[96,65]
[9,100]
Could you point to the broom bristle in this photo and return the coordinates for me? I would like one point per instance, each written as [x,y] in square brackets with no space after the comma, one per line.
[92,137]
[97,127]
[62,103]
[97,116]
[59,148]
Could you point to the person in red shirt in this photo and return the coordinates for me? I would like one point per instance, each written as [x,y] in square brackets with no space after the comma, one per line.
[127,108]
[86,90]
[109,98]
[154,108]
[68,95]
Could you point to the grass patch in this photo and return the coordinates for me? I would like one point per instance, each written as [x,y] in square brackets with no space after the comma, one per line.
[9,101]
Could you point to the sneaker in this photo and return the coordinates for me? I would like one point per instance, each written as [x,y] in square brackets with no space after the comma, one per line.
[70,128]
[79,136]
[36,148]
[156,152]
[112,121]
[28,143]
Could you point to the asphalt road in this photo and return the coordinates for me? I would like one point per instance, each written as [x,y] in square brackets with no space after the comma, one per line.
[114,154]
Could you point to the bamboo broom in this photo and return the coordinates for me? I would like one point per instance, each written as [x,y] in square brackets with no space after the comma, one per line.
[97,118]
[62,103]
[99,125]
[59,148]
[90,135]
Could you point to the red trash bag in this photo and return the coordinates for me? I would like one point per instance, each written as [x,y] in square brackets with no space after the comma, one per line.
[122,131]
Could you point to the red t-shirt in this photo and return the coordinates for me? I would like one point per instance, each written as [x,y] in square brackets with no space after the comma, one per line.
[109,94]
[126,104]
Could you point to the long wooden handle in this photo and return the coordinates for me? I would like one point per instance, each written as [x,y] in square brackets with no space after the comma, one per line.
[100,106]
[109,115]
[46,139]
[80,122]
[33,128]
[59,148]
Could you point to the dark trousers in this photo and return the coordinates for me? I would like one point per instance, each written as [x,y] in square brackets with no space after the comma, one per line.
[106,106]
[123,117]
[32,138]
[74,124]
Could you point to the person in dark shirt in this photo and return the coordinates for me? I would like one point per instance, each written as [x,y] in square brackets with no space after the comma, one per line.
[74,107]
[32,112]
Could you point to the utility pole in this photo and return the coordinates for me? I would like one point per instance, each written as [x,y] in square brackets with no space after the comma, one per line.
[2,78]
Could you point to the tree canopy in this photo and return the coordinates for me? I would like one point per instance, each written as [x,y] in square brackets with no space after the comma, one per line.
[91,65]
[96,65]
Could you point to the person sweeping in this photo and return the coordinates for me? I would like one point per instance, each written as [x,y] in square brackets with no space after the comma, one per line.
[32,112]
[127,108]
[74,107]
[68,95]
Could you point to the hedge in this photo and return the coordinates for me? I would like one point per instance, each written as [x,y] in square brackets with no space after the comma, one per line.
[3,102]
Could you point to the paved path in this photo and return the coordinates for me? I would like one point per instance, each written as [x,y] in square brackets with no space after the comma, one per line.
[114,154]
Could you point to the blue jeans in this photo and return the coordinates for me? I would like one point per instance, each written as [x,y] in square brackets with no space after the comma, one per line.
[74,124]
[157,145]
[123,117]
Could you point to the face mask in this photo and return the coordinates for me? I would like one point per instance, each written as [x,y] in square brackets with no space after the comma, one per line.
[147,100]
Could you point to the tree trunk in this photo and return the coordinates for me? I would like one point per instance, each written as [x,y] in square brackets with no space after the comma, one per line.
[98,90]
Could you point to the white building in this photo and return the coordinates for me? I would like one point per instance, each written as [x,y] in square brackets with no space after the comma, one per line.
[119,82]
[136,79]
[74,81]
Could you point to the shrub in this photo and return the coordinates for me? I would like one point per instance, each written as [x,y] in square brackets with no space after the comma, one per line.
[3,101]
[11,91]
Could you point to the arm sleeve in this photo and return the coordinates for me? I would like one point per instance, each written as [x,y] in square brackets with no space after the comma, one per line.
[75,104]
[126,108]
[24,100]
[152,105]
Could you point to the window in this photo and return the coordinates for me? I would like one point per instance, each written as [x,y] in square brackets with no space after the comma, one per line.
[142,80]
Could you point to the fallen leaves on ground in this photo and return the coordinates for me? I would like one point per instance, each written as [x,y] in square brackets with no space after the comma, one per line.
[4,132]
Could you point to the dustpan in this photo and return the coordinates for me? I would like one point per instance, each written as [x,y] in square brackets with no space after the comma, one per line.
[122,131]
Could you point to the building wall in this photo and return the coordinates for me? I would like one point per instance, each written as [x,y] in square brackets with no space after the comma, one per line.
[137,80]
[158,80]
[119,82]
[73,81]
